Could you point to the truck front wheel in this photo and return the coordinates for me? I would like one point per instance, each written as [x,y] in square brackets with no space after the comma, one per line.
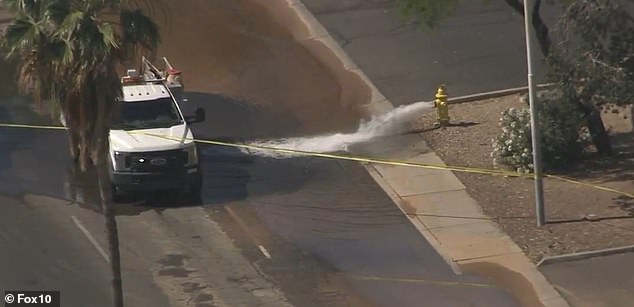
[116,194]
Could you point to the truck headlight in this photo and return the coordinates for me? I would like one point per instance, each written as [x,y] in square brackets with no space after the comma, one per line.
[192,155]
[120,160]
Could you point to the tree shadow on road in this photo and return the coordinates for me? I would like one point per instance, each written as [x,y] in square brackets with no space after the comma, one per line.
[235,118]
[229,173]
[7,140]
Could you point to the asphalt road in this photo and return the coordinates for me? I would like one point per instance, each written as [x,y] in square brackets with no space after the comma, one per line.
[480,48]
[584,283]
[332,235]
[55,238]
[268,232]
[41,250]
[48,240]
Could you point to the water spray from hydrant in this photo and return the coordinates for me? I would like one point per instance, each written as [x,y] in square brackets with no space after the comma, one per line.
[393,122]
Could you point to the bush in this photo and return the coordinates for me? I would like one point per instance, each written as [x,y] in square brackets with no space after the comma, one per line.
[562,140]
[513,146]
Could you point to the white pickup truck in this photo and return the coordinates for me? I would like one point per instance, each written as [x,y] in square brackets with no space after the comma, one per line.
[151,143]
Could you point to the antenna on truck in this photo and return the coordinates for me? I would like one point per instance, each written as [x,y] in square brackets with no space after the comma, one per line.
[150,74]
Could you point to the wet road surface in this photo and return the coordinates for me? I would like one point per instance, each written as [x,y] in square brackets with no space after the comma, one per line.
[268,232]
[322,232]
[340,216]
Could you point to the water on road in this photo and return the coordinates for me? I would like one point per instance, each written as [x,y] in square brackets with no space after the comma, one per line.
[393,122]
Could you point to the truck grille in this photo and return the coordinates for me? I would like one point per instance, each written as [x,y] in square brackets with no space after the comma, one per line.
[158,161]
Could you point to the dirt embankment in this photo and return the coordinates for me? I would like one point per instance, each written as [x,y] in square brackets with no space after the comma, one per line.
[250,50]
[258,53]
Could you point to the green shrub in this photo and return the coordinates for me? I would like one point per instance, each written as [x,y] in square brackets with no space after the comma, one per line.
[562,139]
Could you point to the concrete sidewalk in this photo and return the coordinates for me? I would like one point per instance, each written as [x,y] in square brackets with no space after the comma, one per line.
[437,203]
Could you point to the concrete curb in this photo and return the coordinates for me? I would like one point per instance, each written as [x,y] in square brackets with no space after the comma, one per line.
[379,104]
[316,31]
[494,94]
[585,255]
[429,236]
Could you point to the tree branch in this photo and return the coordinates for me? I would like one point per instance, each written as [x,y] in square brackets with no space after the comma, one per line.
[541,30]
[516,5]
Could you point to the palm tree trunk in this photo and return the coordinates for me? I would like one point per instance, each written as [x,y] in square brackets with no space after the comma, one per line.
[111,225]
[71,114]
[73,143]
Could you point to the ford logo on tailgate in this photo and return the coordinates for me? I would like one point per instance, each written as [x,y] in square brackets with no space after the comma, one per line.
[158,161]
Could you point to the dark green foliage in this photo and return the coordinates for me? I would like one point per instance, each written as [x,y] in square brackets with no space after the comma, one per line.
[593,64]
[561,133]
[67,52]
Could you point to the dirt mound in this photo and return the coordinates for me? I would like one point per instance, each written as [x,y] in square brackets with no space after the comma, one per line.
[243,56]
[238,49]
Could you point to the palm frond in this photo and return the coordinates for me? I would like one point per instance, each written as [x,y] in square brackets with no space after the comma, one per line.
[58,10]
[71,22]
[139,29]
[108,34]
[67,52]
[21,35]
[29,7]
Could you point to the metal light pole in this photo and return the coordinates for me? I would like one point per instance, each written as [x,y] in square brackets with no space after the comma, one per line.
[537,159]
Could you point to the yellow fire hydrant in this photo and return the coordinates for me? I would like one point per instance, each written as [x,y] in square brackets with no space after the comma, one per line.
[440,103]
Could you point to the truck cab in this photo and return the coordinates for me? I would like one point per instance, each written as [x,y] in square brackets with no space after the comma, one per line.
[151,144]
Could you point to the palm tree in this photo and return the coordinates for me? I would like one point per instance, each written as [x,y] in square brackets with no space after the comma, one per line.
[67,53]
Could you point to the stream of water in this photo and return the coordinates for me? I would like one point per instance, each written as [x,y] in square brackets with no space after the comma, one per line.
[390,123]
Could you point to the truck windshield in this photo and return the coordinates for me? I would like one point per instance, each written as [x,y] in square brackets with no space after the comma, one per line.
[159,113]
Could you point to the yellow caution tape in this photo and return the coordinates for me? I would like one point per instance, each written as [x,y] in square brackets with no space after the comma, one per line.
[422,281]
[464,169]
[594,186]
[32,126]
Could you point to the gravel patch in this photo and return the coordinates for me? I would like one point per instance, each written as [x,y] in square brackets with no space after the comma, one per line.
[510,201]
